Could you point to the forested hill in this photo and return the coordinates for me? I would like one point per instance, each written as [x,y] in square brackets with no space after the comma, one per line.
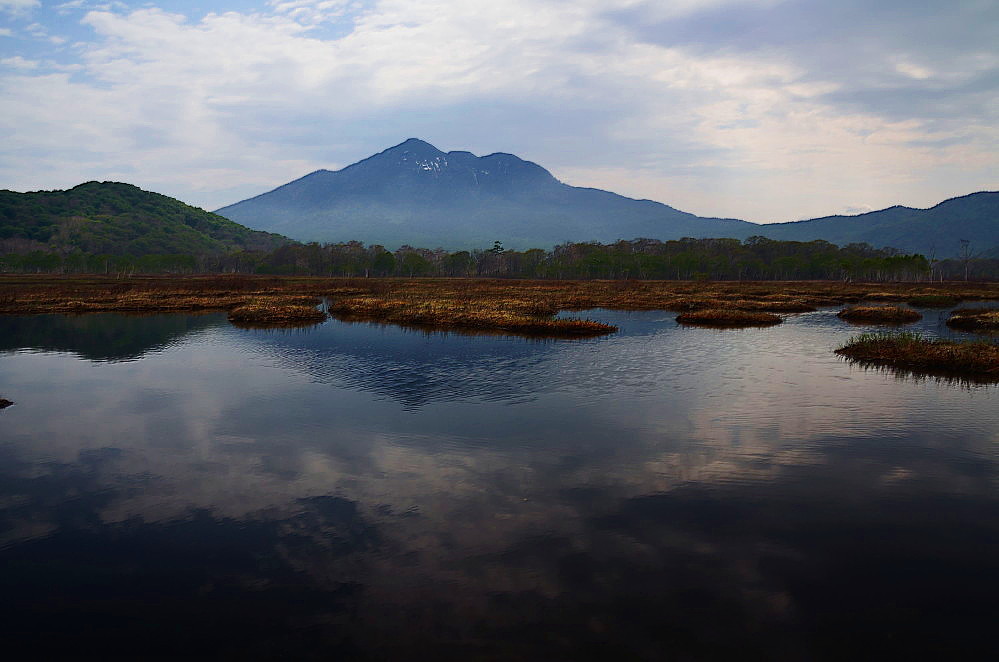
[934,232]
[113,218]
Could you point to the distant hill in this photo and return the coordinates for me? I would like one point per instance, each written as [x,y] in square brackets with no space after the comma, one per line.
[936,231]
[415,194]
[120,219]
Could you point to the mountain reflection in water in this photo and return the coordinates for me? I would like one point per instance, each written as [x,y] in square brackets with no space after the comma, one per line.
[357,491]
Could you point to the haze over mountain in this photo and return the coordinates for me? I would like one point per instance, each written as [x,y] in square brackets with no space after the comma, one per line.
[416,194]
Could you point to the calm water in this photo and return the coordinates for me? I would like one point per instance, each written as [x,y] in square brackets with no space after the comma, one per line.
[172,486]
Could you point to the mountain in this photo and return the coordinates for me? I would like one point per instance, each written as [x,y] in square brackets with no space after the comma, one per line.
[936,231]
[414,193]
[120,219]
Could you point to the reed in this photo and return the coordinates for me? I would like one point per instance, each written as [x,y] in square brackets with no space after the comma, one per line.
[880,314]
[728,317]
[911,351]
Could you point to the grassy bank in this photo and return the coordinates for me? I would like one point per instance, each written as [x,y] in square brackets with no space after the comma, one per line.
[913,352]
[975,319]
[507,306]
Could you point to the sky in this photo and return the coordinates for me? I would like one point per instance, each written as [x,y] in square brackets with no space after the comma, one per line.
[765,110]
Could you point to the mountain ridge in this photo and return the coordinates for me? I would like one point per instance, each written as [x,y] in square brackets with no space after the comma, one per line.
[473,199]
[414,193]
[973,216]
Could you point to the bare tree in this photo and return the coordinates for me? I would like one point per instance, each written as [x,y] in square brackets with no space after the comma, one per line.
[966,255]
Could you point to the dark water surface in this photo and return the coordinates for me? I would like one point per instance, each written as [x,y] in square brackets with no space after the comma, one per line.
[174,487]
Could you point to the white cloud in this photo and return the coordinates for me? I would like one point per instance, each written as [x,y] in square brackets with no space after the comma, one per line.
[18,7]
[18,62]
[912,70]
[313,11]
[225,105]
[36,30]
[654,11]
[6,32]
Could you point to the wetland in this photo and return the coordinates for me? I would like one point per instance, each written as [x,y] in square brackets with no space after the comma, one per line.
[442,483]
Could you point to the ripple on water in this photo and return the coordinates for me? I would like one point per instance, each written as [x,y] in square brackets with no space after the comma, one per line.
[654,490]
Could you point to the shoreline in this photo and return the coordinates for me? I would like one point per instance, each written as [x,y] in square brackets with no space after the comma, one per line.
[512,306]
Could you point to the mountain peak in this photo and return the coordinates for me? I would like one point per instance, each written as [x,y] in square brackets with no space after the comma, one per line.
[414,144]
[411,150]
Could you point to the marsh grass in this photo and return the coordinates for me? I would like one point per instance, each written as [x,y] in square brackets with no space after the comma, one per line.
[522,307]
[277,314]
[885,296]
[880,314]
[975,319]
[728,318]
[915,353]
[518,316]
[775,305]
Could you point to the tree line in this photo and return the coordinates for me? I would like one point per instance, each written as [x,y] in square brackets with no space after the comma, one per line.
[756,258]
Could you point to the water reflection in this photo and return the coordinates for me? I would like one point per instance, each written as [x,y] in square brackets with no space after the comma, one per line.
[101,336]
[953,377]
[366,492]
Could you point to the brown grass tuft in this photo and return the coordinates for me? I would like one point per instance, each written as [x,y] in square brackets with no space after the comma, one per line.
[276,315]
[910,351]
[975,319]
[519,316]
[774,305]
[880,314]
[885,296]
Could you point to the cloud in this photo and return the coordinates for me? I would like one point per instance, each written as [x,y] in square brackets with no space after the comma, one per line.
[18,62]
[72,4]
[313,11]
[18,7]
[720,107]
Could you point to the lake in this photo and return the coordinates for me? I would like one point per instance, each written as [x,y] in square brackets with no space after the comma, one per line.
[172,486]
